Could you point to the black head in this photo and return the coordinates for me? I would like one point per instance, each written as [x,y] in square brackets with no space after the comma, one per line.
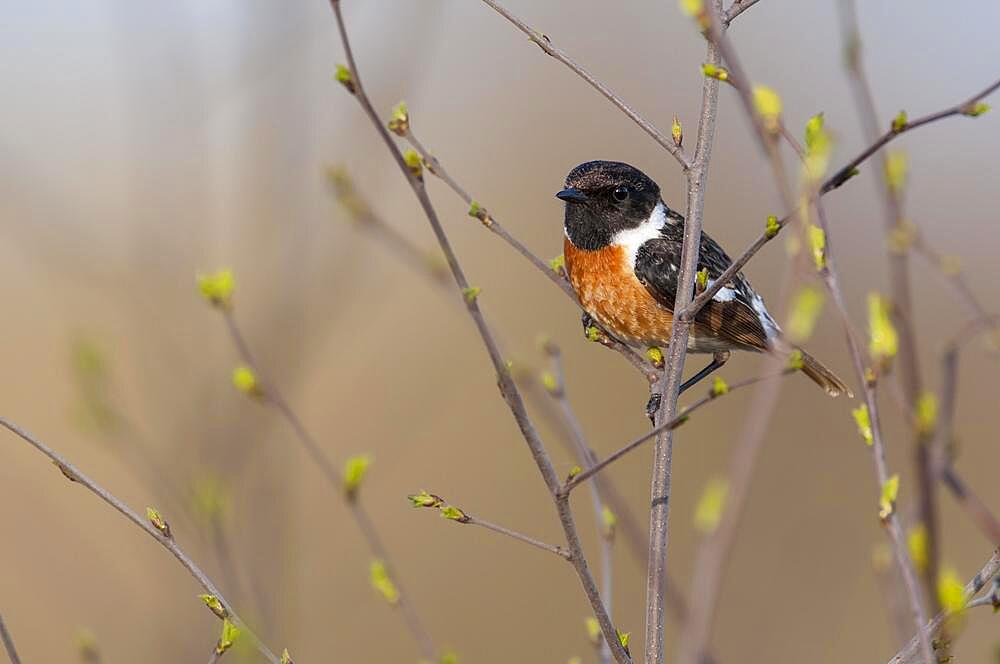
[603,198]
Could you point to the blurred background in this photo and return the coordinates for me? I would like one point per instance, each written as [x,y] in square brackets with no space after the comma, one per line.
[143,143]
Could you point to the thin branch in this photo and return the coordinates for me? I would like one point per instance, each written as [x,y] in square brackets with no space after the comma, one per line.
[74,474]
[973,505]
[847,172]
[8,643]
[543,42]
[521,537]
[669,387]
[673,423]
[508,388]
[908,655]
[271,394]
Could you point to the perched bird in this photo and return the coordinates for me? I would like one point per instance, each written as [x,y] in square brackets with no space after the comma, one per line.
[623,256]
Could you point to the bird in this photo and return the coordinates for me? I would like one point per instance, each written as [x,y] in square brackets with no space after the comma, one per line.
[622,253]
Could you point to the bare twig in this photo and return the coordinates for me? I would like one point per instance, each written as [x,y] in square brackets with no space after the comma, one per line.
[272,394]
[521,537]
[735,9]
[76,475]
[8,643]
[508,388]
[543,42]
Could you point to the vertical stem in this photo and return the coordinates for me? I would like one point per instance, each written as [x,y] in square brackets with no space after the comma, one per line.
[669,384]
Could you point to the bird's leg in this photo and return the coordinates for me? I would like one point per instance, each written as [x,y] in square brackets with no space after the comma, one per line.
[718,359]
[588,322]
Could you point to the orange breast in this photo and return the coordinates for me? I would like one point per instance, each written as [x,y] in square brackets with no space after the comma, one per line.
[608,290]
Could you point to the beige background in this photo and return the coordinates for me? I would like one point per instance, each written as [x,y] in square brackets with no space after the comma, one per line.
[144,142]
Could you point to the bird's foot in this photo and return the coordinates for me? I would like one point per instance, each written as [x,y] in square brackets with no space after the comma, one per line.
[653,406]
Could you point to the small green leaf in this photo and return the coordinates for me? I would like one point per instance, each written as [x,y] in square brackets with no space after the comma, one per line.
[245,381]
[344,77]
[381,582]
[454,514]
[424,499]
[817,242]
[977,109]
[593,333]
[692,7]
[807,305]
[899,122]
[701,279]
[916,543]
[229,634]
[714,71]
[593,630]
[710,506]
[719,387]
[213,603]
[449,657]
[608,520]
[414,163]
[814,130]
[655,355]
[285,657]
[795,361]
[773,227]
[864,422]
[355,469]
[887,501]
[926,415]
[399,121]
[623,638]
[677,132]
[471,293]
[573,472]
[550,382]
[896,168]
[158,522]
[218,287]
[951,592]
[883,341]
[767,103]
[558,264]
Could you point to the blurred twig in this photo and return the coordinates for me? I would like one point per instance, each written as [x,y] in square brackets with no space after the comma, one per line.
[508,388]
[73,474]
[272,395]
[8,643]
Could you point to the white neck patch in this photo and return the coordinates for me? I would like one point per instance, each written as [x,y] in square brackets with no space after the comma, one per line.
[633,238]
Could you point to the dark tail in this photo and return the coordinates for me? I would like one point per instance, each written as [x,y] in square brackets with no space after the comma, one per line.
[823,377]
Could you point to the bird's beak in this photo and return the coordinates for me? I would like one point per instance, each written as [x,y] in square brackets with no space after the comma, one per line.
[572,195]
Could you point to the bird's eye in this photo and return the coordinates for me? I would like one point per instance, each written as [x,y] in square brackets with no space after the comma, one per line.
[620,194]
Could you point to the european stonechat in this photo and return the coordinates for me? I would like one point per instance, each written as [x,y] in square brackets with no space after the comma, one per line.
[623,254]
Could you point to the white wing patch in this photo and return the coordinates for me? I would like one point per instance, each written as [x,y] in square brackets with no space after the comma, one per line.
[770,327]
[724,294]
[633,238]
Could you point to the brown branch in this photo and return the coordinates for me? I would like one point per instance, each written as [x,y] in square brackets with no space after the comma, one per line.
[74,474]
[8,643]
[508,388]
[543,42]
[908,655]
[521,537]
[271,394]
[669,386]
